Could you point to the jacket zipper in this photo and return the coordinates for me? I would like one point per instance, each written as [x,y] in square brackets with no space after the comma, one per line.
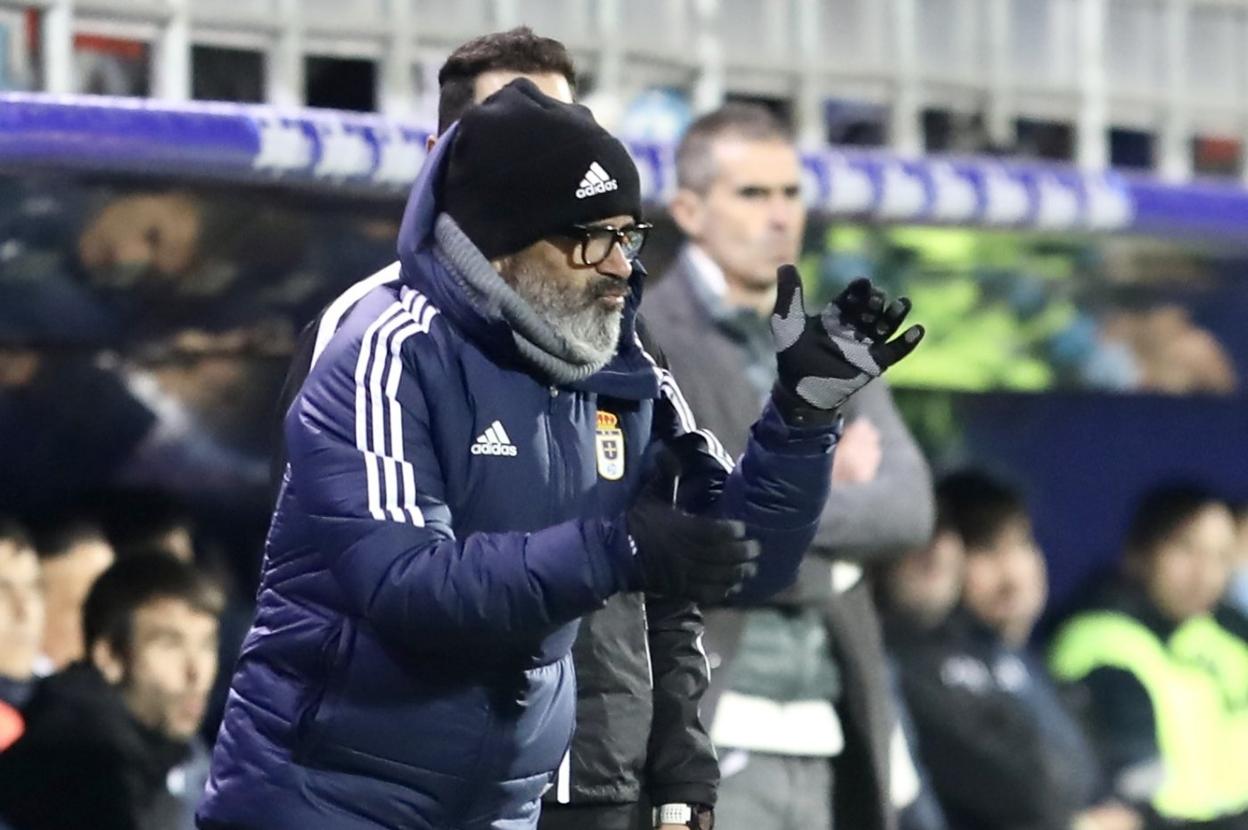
[555,454]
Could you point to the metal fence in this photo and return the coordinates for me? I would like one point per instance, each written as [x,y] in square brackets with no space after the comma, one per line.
[1177,69]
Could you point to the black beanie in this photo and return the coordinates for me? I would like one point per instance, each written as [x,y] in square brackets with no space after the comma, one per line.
[525,166]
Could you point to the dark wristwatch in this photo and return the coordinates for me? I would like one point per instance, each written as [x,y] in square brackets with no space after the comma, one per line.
[694,816]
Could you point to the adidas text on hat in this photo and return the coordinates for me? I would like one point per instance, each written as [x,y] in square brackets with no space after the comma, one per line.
[595,181]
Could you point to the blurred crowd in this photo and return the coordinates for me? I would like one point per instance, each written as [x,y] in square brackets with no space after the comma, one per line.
[145,332]
[1031,312]
[111,635]
[1130,710]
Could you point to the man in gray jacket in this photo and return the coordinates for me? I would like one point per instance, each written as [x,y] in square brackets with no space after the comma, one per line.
[799,696]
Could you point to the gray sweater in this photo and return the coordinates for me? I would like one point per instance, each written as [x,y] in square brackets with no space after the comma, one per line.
[723,361]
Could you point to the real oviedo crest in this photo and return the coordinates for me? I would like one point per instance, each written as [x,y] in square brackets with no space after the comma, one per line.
[610,444]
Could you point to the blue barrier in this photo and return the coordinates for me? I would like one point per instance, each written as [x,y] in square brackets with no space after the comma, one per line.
[325,148]
[233,142]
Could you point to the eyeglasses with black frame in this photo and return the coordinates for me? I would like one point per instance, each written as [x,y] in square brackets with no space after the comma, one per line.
[596,241]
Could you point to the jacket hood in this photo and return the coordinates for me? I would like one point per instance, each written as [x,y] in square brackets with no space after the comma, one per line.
[629,374]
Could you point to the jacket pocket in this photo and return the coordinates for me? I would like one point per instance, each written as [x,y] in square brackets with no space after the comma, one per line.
[335,655]
[393,716]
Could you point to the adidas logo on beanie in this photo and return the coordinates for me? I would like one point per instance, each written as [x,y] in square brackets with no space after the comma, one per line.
[595,181]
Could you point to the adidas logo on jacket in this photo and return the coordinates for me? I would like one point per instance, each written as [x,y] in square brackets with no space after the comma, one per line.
[494,441]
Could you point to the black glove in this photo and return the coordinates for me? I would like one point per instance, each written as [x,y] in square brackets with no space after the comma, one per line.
[682,555]
[823,360]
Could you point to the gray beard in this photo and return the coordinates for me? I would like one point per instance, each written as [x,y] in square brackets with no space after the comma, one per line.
[590,329]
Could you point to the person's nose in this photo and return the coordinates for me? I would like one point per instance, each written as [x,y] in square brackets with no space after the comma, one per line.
[616,264]
[202,669]
[782,214]
[197,669]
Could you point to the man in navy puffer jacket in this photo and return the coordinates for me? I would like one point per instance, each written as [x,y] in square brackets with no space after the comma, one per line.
[467,461]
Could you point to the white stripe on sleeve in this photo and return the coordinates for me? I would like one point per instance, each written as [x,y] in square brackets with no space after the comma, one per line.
[362,442]
[391,477]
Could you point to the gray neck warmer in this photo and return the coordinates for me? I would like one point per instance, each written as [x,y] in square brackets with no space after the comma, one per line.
[539,343]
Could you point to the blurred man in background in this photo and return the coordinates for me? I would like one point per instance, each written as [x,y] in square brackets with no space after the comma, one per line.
[484,65]
[144,522]
[21,613]
[1005,578]
[920,590]
[21,626]
[1002,752]
[1166,687]
[801,683]
[916,594]
[109,741]
[73,552]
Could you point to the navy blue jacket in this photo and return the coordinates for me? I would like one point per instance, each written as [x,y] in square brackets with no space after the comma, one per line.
[409,665]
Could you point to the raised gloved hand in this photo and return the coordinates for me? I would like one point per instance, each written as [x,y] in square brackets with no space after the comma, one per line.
[680,554]
[824,359]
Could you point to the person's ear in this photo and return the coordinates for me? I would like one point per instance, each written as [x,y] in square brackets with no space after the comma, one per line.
[107,661]
[688,210]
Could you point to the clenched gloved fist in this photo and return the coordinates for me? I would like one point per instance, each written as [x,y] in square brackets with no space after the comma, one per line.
[823,360]
[683,555]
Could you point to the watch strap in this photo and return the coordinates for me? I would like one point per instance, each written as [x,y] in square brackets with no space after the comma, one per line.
[681,814]
[693,816]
